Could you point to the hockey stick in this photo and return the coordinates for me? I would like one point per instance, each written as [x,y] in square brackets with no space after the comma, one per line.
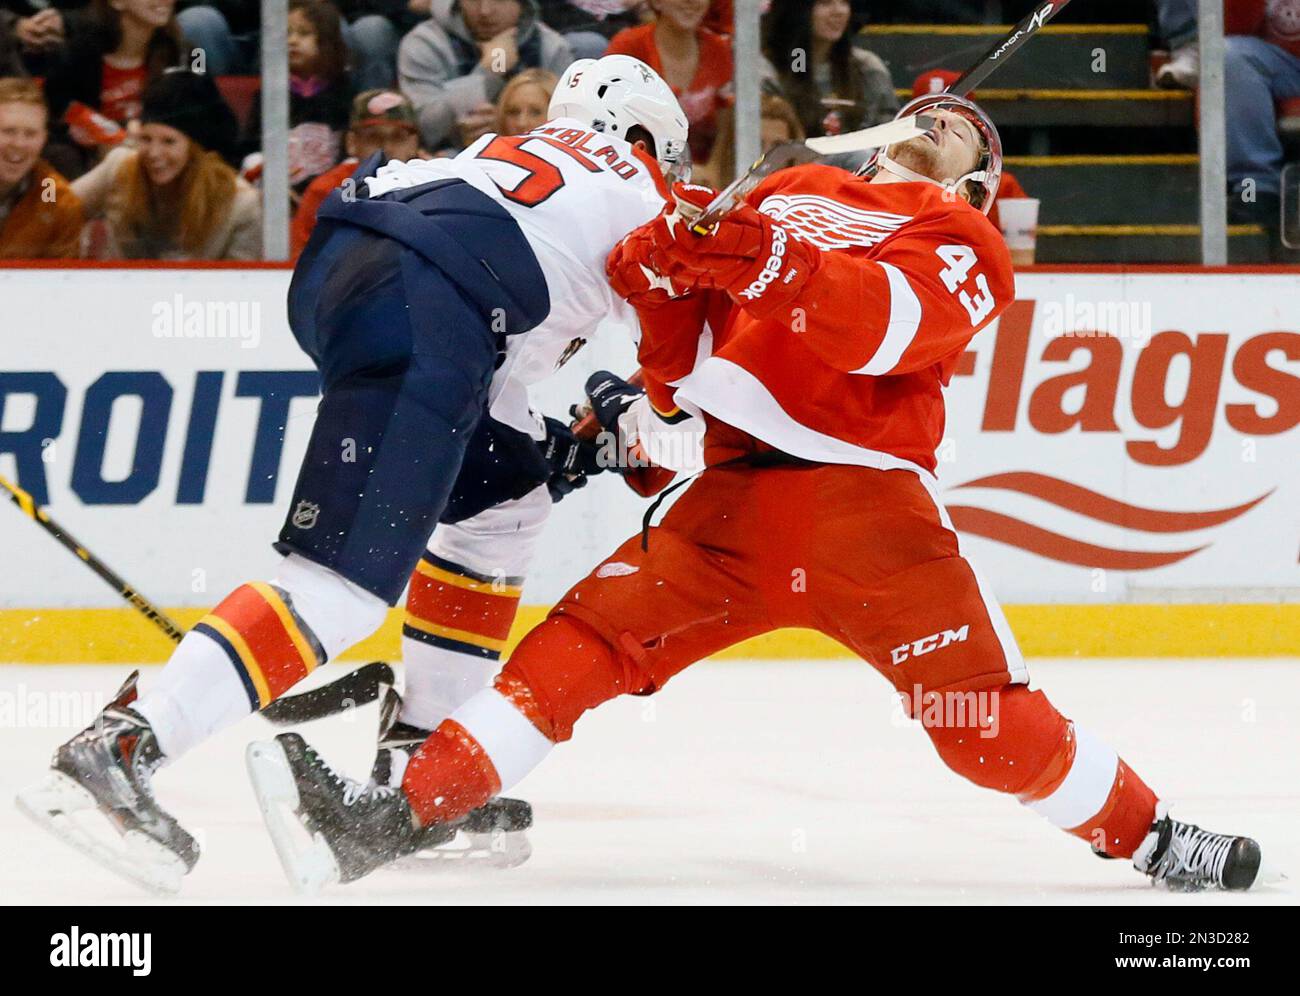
[800,153]
[796,154]
[356,688]
[1008,46]
[27,504]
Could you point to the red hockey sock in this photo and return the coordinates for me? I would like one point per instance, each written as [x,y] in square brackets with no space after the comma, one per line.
[1061,771]
[449,775]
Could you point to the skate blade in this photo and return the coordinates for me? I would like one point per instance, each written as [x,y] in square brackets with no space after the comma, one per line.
[471,850]
[306,859]
[56,804]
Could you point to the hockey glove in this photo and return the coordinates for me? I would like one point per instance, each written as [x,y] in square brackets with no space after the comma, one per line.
[572,460]
[608,397]
[756,261]
[633,278]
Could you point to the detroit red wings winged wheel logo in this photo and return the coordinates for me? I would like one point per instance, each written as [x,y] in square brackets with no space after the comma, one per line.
[828,224]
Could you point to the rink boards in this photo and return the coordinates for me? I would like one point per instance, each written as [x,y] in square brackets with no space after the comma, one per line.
[1122,457]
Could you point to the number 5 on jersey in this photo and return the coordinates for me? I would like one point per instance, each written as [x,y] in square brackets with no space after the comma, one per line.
[959,261]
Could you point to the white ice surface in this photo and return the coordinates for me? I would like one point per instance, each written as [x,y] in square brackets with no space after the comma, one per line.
[742,782]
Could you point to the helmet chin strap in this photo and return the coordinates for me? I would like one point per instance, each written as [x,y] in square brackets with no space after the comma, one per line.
[898,169]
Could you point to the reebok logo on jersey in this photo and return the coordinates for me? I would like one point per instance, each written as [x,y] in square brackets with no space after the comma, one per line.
[929,644]
[771,269]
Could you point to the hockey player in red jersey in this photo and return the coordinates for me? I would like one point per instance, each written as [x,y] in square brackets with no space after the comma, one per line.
[838,307]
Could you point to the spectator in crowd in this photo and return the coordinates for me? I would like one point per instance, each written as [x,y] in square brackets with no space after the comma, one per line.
[227,31]
[320,92]
[588,25]
[694,61]
[834,85]
[32,32]
[173,196]
[779,124]
[383,121]
[11,59]
[40,216]
[372,30]
[109,59]
[1261,67]
[454,65]
[1177,24]
[524,102]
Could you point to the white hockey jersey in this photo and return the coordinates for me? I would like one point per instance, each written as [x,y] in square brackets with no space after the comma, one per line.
[575,194]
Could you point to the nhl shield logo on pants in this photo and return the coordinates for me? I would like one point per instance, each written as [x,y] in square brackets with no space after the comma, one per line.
[305,514]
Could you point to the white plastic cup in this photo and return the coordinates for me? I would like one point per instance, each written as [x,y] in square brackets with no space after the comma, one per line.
[1019,219]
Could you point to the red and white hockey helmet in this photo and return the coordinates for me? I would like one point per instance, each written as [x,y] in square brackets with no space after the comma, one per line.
[616,92]
[981,182]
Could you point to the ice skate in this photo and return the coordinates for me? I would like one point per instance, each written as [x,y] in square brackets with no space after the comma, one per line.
[1185,858]
[493,835]
[106,770]
[351,827]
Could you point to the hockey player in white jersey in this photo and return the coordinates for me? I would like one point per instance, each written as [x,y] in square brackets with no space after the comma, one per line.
[431,294]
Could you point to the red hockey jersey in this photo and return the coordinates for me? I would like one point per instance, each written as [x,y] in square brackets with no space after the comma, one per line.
[853,372]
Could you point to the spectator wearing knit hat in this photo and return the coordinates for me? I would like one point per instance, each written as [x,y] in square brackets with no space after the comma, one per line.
[40,216]
[382,121]
[173,195]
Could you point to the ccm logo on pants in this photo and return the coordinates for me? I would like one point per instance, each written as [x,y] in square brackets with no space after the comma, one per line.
[923,646]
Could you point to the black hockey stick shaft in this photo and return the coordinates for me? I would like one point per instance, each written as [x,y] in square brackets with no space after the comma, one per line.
[27,504]
[347,691]
[1006,47]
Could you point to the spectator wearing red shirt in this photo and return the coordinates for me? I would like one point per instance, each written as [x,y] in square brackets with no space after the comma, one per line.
[121,46]
[694,61]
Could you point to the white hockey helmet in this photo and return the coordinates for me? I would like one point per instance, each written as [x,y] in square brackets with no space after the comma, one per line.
[983,180]
[616,92]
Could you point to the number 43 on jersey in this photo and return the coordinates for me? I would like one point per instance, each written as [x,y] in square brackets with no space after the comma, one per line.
[959,261]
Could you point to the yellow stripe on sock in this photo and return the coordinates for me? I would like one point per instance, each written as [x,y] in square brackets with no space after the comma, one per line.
[470,584]
[459,635]
[251,667]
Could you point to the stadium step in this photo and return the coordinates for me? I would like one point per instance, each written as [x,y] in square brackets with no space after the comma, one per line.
[1247,244]
[1070,56]
[1123,209]
[1112,190]
[1042,108]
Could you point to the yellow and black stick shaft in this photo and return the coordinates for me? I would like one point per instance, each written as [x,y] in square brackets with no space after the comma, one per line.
[27,504]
